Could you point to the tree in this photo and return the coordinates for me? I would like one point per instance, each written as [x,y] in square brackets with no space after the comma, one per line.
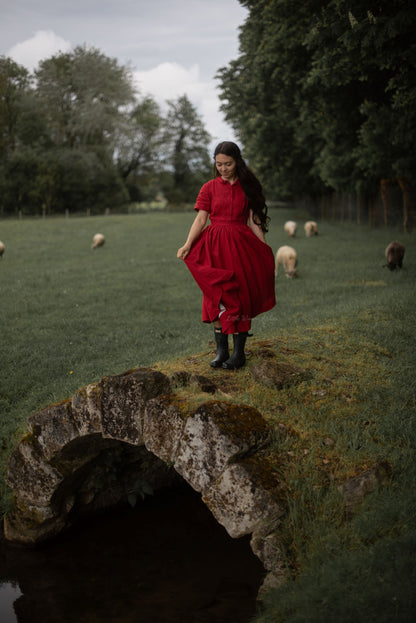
[323,95]
[86,179]
[261,93]
[186,150]
[138,143]
[14,84]
[84,93]
[84,97]
[19,184]
[374,54]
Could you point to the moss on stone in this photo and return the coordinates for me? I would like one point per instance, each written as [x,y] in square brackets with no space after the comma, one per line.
[173,400]
[28,439]
[236,420]
[262,468]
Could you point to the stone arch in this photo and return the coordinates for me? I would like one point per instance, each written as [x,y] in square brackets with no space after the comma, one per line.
[133,425]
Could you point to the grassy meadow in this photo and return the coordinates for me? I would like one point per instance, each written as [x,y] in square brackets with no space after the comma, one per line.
[71,315]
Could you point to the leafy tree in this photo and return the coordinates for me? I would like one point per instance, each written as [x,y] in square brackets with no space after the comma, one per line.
[84,92]
[14,83]
[77,137]
[185,150]
[79,179]
[84,95]
[261,92]
[322,94]
[375,54]
[19,192]
[138,144]
[357,56]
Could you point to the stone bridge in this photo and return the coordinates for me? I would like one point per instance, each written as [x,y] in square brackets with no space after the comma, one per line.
[129,435]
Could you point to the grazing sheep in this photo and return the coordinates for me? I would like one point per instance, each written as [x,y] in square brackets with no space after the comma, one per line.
[2,247]
[311,229]
[288,257]
[290,228]
[394,254]
[98,241]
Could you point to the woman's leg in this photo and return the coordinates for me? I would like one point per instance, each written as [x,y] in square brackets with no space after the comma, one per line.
[238,358]
[221,340]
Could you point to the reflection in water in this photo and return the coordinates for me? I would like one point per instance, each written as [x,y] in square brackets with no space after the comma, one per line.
[8,594]
[166,561]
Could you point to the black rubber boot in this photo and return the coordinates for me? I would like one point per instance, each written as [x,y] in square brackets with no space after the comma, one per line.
[238,358]
[221,340]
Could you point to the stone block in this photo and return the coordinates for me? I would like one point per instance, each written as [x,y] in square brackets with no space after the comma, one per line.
[163,427]
[53,428]
[32,479]
[240,502]
[123,402]
[34,524]
[215,434]
[86,409]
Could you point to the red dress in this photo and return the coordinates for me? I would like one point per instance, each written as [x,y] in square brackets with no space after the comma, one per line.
[231,265]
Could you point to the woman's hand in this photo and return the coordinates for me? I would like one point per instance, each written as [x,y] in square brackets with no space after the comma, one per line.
[183,252]
[197,227]
[256,228]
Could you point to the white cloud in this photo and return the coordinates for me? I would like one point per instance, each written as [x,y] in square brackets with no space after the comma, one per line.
[43,44]
[169,81]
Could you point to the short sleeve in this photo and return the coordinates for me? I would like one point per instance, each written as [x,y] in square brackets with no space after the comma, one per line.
[203,201]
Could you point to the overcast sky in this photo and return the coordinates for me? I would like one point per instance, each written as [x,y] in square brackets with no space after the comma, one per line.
[173,46]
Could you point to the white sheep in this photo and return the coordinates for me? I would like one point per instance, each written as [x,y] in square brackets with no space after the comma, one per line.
[311,229]
[290,228]
[97,241]
[394,254]
[2,247]
[288,257]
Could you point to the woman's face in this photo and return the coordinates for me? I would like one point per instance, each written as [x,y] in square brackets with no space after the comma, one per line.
[226,167]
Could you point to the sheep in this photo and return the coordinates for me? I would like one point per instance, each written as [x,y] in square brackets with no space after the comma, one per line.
[311,229]
[288,257]
[394,254]
[290,228]
[2,247]
[98,241]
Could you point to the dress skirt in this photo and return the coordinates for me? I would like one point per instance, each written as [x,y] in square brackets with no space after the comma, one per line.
[235,270]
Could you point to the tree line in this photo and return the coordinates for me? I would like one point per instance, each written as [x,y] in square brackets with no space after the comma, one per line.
[323,98]
[75,136]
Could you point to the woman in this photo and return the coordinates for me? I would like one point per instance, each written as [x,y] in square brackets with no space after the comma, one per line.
[229,259]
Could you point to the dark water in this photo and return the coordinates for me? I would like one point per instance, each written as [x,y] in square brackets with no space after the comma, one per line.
[166,561]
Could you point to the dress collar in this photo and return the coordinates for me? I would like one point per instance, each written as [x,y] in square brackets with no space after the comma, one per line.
[237,181]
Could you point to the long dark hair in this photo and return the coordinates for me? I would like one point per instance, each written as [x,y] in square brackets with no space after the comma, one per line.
[249,182]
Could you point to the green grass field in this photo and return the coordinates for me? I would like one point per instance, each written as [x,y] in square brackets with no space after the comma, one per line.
[70,315]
